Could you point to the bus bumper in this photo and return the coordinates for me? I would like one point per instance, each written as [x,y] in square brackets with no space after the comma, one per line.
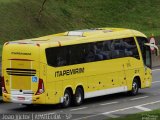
[21,99]
[24,99]
[6,97]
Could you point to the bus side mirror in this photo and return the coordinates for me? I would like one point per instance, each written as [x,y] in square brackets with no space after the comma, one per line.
[153,46]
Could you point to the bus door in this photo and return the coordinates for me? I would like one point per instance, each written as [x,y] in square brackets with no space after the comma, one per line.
[146,56]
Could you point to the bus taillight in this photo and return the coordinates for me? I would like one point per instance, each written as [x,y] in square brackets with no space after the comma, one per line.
[40,87]
[3,85]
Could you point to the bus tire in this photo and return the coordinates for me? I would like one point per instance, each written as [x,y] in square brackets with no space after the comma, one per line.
[78,97]
[135,87]
[66,99]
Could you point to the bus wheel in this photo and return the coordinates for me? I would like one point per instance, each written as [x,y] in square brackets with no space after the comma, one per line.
[135,87]
[78,97]
[66,99]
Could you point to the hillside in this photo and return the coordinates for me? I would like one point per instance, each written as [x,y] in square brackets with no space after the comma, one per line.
[18,18]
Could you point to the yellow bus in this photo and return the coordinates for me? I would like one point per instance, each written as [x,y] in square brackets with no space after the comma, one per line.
[69,67]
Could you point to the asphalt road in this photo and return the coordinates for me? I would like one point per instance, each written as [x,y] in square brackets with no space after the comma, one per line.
[100,108]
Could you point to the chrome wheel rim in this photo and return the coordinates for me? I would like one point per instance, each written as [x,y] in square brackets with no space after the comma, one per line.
[78,98]
[135,87]
[66,99]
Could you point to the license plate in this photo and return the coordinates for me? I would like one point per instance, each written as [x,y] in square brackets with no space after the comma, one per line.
[21,98]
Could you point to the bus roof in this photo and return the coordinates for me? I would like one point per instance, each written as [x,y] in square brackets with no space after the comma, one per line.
[82,36]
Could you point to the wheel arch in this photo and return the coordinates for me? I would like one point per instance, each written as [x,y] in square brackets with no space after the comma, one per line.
[80,86]
[70,89]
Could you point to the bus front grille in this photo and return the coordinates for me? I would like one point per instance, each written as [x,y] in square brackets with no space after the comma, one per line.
[20,72]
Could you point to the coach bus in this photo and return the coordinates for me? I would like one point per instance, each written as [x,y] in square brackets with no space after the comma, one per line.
[69,67]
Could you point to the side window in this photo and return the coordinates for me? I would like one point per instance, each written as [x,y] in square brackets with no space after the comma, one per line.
[62,56]
[58,56]
[141,42]
[131,48]
[90,52]
[118,48]
[98,51]
[67,55]
[125,47]
[77,53]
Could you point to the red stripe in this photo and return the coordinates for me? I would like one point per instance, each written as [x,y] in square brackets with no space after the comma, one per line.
[22,59]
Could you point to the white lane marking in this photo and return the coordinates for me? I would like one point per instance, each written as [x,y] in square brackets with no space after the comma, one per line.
[78,108]
[155,81]
[110,112]
[139,98]
[155,70]
[117,110]
[112,116]
[109,103]
[150,103]
[142,108]
[105,113]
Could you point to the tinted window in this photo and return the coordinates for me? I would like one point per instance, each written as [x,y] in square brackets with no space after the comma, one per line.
[78,53]
[131,48]
[57,56]
[91,52]
[125,48]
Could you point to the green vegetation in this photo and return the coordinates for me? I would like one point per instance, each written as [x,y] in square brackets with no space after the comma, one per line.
[153,115]
[18,18]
